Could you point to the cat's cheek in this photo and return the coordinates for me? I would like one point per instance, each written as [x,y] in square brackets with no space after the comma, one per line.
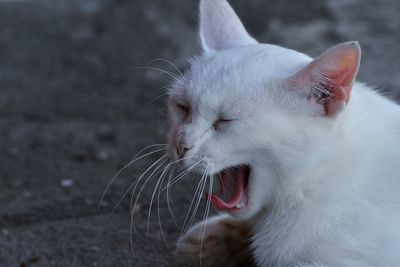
[171,146]
[169,151]
[262,187]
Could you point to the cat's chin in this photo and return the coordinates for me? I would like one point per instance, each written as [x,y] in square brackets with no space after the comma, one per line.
[232,196]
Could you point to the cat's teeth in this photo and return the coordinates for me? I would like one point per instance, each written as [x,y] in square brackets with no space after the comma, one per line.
[239,206]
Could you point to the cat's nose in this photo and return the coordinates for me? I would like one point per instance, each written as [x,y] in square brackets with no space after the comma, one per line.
[182,149]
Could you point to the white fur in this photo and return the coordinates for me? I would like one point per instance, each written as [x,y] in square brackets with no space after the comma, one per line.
[323,191]
[217,15]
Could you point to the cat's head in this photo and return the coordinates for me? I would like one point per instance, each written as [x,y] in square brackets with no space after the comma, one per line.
[249,113]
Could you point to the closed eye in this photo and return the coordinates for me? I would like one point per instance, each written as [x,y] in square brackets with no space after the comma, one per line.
[182,107]
[220,123]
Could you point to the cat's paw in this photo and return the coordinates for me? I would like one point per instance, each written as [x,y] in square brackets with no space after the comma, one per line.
[219,241]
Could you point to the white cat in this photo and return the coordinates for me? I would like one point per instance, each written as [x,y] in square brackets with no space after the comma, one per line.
[308,158]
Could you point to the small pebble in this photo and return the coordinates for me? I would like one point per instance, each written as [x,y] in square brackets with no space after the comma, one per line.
[102,155]
[66,183]
[13,152]
[104,204]
[106,134]
[27,194]
[138,207]
[94,248]
[16,183]
[5,231]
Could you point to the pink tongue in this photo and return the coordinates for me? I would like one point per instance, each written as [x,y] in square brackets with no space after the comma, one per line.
[239,182]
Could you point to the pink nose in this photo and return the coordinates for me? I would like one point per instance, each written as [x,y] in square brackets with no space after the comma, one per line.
[181,149]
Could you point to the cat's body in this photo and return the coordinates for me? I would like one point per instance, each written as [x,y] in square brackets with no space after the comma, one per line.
[346,209]
[317,172]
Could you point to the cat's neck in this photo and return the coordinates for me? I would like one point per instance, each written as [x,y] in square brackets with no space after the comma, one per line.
[369,123]
[361,157]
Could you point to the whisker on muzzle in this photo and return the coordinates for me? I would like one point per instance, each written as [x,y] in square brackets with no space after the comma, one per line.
[138,156]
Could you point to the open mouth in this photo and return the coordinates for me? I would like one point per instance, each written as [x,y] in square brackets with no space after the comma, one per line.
[232,195]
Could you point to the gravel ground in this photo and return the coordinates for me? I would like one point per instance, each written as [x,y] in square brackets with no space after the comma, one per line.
[74,109]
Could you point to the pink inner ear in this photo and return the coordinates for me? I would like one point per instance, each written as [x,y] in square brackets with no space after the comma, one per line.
[335,70]
[341,81]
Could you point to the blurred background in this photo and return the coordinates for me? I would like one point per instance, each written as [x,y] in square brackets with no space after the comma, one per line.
[74,109]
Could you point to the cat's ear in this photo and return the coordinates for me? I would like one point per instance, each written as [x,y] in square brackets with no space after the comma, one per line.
[220,27]
[329,78]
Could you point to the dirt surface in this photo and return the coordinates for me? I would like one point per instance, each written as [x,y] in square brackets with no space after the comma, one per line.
[74,109]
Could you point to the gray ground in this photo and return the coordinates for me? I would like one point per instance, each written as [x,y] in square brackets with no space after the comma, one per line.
[73,109]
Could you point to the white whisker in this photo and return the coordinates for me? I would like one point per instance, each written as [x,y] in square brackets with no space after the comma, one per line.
[167,61]
[155,99]
[171,208]
[134,184]
[196,193]
[172,75]
[181,175]
[142,187]
[199,197]
[205,218]
[197,205]
[133,160]
[160,179]
[132,209]
[158,215]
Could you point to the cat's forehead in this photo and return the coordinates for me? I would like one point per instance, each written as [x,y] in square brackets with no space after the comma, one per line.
[234,79]
[270,61]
